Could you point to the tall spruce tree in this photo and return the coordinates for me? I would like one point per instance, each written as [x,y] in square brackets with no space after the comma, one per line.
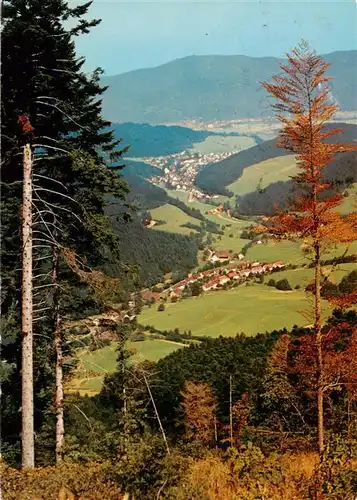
[43,79]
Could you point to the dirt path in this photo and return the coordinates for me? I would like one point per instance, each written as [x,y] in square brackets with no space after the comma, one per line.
[230,219]
[170,342]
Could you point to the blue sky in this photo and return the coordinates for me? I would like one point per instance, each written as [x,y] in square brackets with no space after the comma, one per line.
[143,34]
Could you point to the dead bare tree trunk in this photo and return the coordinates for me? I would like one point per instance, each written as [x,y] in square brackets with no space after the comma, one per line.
[27,433]
[157,414]
[215,432]
[230,411]
[318,337]
[59,359]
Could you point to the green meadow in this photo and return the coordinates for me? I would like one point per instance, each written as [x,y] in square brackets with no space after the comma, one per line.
[173,219]
[249,309]
[260,175]
[94,365]
[303,276]
[290,252]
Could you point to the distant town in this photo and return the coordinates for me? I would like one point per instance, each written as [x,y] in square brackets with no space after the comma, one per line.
[179,170]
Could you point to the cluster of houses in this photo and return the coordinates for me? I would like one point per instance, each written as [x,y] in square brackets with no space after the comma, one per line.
[218,210]
[179,170]
[222,256]
[216,278]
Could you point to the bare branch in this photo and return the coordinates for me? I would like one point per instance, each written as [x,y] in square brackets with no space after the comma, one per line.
[65,114]
[46,146]
[85,416]
[156,413]
[11,183]
[46,275]
[51,179]
[39,318]
[47,203]
[36,189]
[42,309]
[45,257]
[60,71]
[46,157]
[42,246]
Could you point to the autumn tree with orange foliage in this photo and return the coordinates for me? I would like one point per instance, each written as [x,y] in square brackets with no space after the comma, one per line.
[303,108]
[279,395]
[240,415]
[199,408]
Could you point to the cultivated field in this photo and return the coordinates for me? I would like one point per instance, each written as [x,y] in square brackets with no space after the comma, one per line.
[260,175]
[94,365]
[249,309]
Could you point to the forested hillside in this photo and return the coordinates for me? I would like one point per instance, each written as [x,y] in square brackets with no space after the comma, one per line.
[155,253]
[215,177]
[143,194]
[146,140]
[342,172]
[181,89]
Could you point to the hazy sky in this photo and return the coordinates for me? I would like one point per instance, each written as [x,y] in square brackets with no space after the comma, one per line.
[135,35]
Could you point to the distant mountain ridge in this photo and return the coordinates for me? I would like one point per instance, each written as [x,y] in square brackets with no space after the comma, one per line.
[211,88]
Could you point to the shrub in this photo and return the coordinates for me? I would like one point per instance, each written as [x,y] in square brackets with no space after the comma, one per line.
[94,481]
[161,307]
[283,285]
[137,337]
[271,282]
[337,472]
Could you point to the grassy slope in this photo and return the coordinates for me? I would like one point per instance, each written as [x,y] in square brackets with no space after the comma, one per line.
[287,251]
[202,207]
[264,173]
[174,218]
[94,365]
[290,252]
[234,243]
[248,309]
[303,276]
[349,203]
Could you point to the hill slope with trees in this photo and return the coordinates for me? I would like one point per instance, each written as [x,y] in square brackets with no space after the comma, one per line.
[215,178]
[146,140]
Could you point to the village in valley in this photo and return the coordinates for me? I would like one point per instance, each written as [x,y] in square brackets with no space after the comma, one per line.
[223,273]
[179,170]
